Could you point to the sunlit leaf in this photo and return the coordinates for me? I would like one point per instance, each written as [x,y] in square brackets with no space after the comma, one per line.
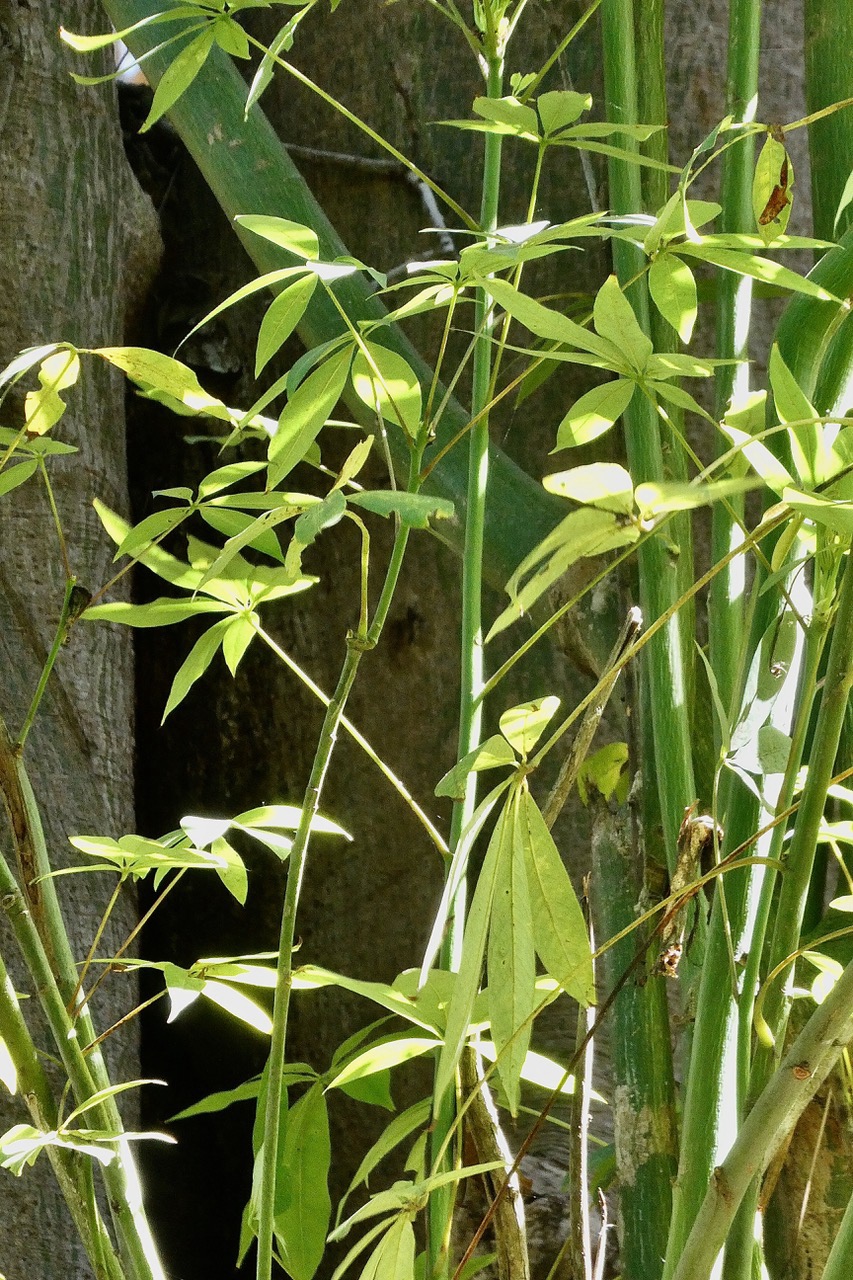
[281,318]
[387,382]
[600,484]
[560,108]
[491,754]
[614,320]
[473,951]
[523,726]
[195,664]
[179,75]
[772,184]
[594,413]
[381,1056]
[293,236]
[673,289]
[305,414]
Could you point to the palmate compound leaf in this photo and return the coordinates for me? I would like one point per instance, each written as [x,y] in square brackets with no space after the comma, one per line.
[395,1132]
[303,1208]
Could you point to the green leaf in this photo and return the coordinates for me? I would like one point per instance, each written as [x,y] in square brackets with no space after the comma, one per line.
[491,754]
[560,933]
[772,184]
[523,726]
[238,635]
[764,269]
[846,198]
[153,370]
[809,446]
[594,413]
[395,1132]
[414,509]
[157,613]
[511,115]
[834,515]
[150,529]
[231,37]
[763,462]
[614,320]
[221,1100]
[305,414]
[601,484]
[388,383]
[238,1005]
[299,240]
[310,977]
[195,664]
[282,317]
[179,75]
[303,1208]
[459,1014]
[587,532]
[285,817]
[457,871]
[561,108]
[381,1056]
[673,289]
[233,872]
[547,323]
[673,495]
[605,770]
[511,963]
[12,476]
[394,1256]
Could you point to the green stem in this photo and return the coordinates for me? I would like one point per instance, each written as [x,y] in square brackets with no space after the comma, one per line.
[471,658]
[734,304]
[65,620]
[837,685]
[839,1264]
[801,1073]
[667,740]
[37,922]
[295,872]
[34,1088]
[644,1120]
[357,644]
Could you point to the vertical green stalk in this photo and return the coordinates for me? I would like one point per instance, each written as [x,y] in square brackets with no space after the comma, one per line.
[734,305]
[358,643]
[837,685]
[667,739]
[828,38]
[70,1172]
[643,1092]
[472,676]
[39,928]
[839,1264]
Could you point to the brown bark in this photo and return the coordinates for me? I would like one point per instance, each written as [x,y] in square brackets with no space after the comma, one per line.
[70,217]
